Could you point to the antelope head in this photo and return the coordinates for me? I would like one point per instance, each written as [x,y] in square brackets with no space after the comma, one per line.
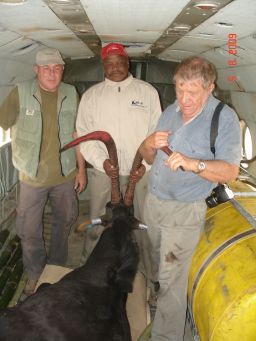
[112,170]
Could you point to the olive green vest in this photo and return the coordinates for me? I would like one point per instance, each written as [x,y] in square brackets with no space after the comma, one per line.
[27,131]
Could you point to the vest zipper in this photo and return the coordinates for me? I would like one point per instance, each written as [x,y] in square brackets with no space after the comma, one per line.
[38,100]
[58,116]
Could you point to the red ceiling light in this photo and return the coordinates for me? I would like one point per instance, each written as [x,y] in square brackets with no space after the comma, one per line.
[206,5]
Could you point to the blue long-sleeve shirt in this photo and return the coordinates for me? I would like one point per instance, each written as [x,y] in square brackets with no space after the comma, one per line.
[193,140]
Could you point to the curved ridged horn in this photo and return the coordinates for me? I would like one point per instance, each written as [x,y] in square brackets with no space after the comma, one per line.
[169,152]
[135,176]
[107,139]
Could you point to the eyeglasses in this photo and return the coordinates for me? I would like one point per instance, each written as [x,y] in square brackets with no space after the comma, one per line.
[55,68]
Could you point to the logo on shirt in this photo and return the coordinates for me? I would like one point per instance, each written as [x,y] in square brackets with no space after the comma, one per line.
[30,112]
[137,103]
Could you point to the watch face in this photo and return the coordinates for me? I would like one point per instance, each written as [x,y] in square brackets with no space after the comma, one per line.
[201,166]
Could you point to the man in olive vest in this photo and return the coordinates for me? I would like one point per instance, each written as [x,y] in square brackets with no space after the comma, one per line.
[41,114]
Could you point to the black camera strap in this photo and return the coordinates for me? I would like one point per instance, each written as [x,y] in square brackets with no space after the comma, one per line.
[216,196]
[237,205]
[214,126]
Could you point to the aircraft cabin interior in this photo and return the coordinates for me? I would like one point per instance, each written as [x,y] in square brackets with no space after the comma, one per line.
[157,36]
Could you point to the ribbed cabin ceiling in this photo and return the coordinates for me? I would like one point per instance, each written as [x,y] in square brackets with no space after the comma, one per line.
[165,29]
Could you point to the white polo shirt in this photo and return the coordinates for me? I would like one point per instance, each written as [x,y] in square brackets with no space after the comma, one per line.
[128,110]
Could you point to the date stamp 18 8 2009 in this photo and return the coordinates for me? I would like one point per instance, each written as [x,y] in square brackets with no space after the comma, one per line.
[232,51]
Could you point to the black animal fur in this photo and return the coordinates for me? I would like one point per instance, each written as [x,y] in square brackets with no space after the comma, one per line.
[88,304]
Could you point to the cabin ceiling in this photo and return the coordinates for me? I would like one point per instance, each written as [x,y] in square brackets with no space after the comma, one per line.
[164,29]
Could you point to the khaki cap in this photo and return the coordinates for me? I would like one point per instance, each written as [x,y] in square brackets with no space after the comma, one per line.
[48,56]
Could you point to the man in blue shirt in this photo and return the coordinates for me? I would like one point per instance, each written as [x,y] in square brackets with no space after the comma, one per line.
[175,205]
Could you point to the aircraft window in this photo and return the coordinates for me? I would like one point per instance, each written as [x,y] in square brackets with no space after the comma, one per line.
[247,144]
[4,136]
[247,148]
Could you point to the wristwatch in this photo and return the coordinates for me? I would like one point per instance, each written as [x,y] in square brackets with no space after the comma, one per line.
[201,166]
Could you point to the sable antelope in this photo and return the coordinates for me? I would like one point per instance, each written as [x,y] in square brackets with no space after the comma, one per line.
[89,303]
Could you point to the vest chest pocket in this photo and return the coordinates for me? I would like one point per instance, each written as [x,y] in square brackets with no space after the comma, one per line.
[30,123]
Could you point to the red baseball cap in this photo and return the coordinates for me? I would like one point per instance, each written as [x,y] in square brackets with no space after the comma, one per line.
[113,49]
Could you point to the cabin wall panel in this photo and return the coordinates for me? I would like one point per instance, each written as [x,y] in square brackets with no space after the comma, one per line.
[245,75]
[4,91]
[245,105]
[8,174]
[160,72]
[85,70]
[12,73]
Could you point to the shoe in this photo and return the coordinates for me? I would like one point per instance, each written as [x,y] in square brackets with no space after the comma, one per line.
[30,286]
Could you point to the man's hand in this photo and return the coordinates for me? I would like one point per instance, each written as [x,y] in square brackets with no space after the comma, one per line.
[178,160]
[158,139]
[81,181]
[155,141]
[81,178]
[215,170]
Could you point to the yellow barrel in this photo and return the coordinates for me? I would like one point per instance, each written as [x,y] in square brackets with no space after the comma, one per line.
[222,280]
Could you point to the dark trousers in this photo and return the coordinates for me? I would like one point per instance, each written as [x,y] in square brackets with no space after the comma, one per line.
[29,224]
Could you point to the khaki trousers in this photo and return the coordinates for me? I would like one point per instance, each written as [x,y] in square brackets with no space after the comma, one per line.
[174,229]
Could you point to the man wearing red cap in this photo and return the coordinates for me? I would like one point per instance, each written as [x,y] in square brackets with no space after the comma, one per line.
[125,107]
[128,109]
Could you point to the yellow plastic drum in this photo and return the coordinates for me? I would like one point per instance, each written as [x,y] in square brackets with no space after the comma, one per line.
[222,281]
